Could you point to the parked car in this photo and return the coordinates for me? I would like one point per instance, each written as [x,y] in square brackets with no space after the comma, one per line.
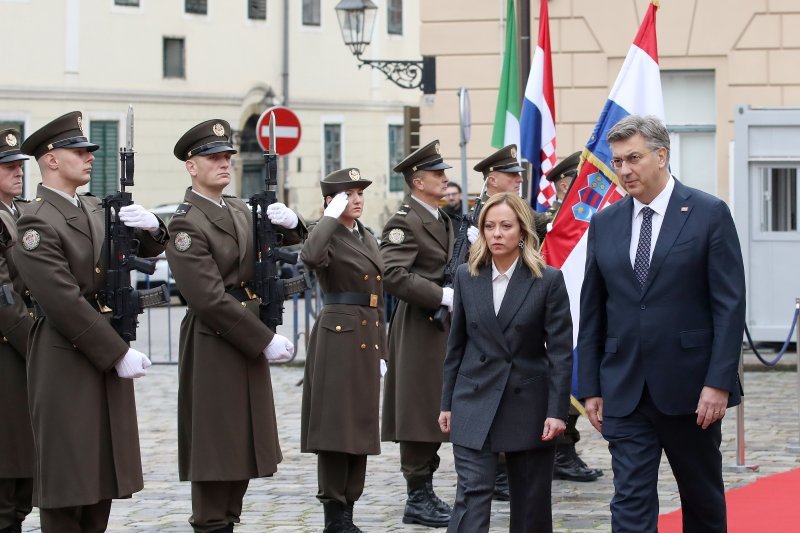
[162,275]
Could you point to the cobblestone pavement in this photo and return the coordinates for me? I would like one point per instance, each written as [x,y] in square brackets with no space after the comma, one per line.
[286,502]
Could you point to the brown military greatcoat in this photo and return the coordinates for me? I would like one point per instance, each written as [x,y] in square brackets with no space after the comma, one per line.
[16,436]
[227,429]
[341,388]
[415,248]
[83,414]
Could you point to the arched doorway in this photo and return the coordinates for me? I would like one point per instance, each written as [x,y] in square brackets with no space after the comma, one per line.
[251,155]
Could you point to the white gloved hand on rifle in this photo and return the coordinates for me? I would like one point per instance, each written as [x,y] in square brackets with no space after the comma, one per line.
[136,216]
[447,298]
[472,234]
[337,206]
[279,349]
[133,365]
[280,215]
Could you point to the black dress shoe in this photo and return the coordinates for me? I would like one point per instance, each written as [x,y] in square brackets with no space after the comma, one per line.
[421,509]
[569,466]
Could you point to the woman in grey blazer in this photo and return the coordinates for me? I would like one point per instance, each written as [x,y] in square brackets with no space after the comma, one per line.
[508,370]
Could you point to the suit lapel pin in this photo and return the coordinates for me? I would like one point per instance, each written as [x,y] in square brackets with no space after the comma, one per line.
[684,209]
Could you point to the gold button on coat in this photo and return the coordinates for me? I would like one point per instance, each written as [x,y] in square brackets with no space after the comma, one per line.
[97,269]
[366,277]
[363,346]
[338,328]
[363,322]
[378,278]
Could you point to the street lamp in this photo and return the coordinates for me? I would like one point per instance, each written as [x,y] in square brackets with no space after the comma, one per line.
[357,23]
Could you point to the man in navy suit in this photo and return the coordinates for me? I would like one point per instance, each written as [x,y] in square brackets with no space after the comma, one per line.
[662,316]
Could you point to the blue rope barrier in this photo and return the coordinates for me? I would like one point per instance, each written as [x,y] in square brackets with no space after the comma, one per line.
[785,344]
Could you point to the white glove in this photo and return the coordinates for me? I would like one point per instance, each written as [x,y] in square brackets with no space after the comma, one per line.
[447,297]
[280,215]
[472,234]
[136,216]
[383,367]
[337,206]
[133,365]
[279,349]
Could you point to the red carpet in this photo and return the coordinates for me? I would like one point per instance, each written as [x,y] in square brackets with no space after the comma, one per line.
[771,503]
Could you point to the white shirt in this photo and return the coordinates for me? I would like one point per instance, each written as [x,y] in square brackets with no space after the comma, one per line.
[73,199]
[432,210]
[500,283]
[221,202]
[659,205]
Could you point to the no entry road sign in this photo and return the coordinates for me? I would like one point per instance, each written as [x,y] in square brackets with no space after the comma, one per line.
[287,130]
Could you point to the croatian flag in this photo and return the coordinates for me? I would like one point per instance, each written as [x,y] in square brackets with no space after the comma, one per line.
[538,119]
[636,91]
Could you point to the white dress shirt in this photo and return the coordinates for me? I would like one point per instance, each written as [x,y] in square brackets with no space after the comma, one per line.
[221,202]
[659,205]
[432,210]
[500,283]
[73,199]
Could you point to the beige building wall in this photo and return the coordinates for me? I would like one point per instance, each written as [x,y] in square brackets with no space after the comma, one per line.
[752,47]
[95,56]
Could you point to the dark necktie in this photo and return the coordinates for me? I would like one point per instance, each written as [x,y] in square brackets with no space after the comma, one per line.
[642,262]
[356,234]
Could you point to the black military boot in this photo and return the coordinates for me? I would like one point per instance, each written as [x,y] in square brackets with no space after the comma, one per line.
[421,508]
[335,521]
[501,484]
[16,527]
[441,505]
[570,467]
[348,520]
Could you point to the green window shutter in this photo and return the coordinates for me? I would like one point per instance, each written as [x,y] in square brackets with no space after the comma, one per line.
[396,153]
[105,169]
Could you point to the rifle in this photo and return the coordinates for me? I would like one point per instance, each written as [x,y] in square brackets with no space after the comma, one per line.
[459,257]
[267,283]
[125,302]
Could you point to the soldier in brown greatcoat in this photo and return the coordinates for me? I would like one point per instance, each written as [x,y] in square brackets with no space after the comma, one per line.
[80,393]
[416,245]
[341,387]
[16,437]
[227,431]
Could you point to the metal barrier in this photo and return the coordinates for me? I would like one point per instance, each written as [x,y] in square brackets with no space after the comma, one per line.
[796,447]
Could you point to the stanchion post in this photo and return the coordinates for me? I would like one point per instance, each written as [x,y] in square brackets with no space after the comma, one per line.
[796,447]
[741,465]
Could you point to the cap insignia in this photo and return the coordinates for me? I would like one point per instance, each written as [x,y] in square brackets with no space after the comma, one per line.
[80,123]
[436,147]
[31,239]
[354,175]
[396,236]
[513,152]
[11,140]
[219,130]
[182,241]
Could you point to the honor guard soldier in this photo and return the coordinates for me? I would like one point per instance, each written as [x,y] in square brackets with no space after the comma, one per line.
[227,431]
[568,463]
[416,245]
[341,385]
[16,437]
[80,371]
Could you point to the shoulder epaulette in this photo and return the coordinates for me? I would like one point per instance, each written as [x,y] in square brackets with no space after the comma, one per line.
[229,196]
[182,210]
[86,194]
[403,210]
[20,199]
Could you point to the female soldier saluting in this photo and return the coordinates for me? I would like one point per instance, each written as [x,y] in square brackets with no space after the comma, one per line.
[341,388]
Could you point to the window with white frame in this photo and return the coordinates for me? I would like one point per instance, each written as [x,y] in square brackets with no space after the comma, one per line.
[332,137]
[394,14]
[311,13]
[257,9]
[397,151]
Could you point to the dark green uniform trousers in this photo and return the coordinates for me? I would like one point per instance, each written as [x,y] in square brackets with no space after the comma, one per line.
[15,500]
[215,504]
[79,519]
[419,459]
[340,477]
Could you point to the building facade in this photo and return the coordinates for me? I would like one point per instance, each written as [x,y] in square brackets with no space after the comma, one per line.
[183,61]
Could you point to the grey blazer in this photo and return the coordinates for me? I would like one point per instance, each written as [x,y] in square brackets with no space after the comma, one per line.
[505,373]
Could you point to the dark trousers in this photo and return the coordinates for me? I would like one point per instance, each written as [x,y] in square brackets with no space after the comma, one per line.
[530,474]
[15,500]
[635,442]
[79,519]
[215,504]
[340,477]
[419,460]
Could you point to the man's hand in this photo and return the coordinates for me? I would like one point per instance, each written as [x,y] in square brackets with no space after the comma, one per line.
[594,410]
[136,216]
[133,365]
[444,421]
[553,427]
[337,206]
[712,405]
[280,215]
[279,349]
[447,297]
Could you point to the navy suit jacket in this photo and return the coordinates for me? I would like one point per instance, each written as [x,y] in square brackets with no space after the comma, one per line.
[505,373]
[683,329]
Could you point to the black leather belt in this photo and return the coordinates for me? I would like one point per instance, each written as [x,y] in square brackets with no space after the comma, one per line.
[243,294]
[351,298]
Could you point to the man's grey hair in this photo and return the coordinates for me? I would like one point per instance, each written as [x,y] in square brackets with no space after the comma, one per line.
[650,127]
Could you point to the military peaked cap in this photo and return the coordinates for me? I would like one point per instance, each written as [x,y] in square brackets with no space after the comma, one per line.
[503,160]
[209,137]
[567,168]
[9,146]
[429,157]
[64,132]
[341,180]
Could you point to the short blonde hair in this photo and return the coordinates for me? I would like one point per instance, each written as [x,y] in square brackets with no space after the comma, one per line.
[479,253]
